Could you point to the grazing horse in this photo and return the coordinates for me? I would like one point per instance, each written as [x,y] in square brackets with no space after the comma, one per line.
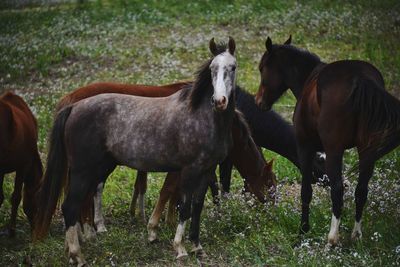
[19,153]
[339,106]
[188,131]
[270,131]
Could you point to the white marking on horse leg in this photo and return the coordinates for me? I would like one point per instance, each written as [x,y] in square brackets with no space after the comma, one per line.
[155,216]
[98,214]
[89,232]
[74,249]
[333,236]
[141,207]
[179,248]
[153,223]
[356,234]
[80,232]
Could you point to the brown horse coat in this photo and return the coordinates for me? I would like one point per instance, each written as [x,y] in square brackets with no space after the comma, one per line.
[19,153]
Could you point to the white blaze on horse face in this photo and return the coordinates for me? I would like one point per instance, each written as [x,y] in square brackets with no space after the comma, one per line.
[223,74]
[333,236]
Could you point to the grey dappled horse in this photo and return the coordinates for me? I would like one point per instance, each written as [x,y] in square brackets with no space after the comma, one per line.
[188,131]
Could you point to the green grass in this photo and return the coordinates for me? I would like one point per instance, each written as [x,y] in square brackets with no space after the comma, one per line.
[46,52]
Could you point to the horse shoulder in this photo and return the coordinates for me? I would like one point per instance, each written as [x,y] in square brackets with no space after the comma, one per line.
[6,125]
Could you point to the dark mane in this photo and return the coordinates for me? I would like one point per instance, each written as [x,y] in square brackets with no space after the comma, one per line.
[240,121]
[202,84]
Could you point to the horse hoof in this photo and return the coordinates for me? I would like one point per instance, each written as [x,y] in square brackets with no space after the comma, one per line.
[101,229]
[182,255]
[333,240]
[356,236]
[152,236]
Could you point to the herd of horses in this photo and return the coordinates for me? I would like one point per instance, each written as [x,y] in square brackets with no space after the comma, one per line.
[187,129]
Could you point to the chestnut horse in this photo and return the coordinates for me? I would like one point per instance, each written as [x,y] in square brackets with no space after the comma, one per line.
[179,132]
[19,153]
[339,106]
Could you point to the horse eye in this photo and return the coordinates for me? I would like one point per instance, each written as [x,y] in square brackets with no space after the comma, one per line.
[233,68]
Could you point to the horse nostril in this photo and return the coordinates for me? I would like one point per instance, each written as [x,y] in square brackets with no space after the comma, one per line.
[223,101]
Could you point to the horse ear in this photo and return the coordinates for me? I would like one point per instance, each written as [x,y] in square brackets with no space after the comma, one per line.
[269,165]
[231,46]
[268,44]
[288,41]
[213,47]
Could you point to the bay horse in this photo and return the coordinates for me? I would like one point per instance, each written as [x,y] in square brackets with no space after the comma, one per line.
[188,131]
[270,131]
[340,105]
[19,154]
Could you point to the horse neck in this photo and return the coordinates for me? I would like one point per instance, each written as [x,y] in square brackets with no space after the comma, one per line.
[246,157]
[227,116]
[299,72]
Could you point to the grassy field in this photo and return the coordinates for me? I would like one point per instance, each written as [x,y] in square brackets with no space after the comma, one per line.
[46,52]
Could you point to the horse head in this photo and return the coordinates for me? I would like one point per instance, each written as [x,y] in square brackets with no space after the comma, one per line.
[223,73]
[272,84]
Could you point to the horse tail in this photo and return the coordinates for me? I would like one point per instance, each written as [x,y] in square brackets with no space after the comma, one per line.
[54,178]
[379,118]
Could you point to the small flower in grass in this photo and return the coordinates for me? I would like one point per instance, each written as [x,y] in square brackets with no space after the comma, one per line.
[375,237]
[397,250]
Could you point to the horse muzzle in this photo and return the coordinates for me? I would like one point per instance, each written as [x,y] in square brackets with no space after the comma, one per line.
[261,104]
[219,104]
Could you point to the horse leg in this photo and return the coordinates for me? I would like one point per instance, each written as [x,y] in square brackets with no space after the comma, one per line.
[361,194]
[15,200]
[79,187]
[87,218]
[138,192]
[82,182]
[213,184]
[306,156]
[189,181]
[142,177]
[225,174]
[197,207]
[334,171]
[170,217]
[98,213]
[1,189]
[169,186]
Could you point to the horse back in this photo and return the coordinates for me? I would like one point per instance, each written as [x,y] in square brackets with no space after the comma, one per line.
[119,88]
[19,129]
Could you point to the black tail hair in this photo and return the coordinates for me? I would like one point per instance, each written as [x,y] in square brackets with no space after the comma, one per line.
[54,178]
[379,118]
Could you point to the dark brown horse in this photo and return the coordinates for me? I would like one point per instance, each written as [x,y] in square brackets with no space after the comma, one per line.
[339,106]
[19,153]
